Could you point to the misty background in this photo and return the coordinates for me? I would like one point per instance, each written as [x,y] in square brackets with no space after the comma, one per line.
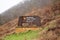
[22,8]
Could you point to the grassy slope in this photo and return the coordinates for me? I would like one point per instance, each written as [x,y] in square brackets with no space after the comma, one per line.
[30,34]
[22,36]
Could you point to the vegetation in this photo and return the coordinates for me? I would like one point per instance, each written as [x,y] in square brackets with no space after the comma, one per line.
[21,9]
[22,36]
[50,19]
[37,34]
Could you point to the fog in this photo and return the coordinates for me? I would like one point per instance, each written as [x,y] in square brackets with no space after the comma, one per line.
[21,9]
[6,4]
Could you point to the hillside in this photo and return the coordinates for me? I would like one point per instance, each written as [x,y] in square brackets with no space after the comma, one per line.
[22,9]
[50,18]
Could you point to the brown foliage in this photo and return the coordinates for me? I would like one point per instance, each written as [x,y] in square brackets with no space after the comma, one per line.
[46,14]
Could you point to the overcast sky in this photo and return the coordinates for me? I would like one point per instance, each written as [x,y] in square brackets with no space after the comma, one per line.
[6,4]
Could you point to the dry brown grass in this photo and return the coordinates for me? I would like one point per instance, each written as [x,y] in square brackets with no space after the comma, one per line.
[47,14]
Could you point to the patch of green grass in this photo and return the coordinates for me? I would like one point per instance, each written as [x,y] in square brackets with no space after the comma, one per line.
[22,36]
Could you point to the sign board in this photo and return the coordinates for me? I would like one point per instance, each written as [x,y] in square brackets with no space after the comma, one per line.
[29,21]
